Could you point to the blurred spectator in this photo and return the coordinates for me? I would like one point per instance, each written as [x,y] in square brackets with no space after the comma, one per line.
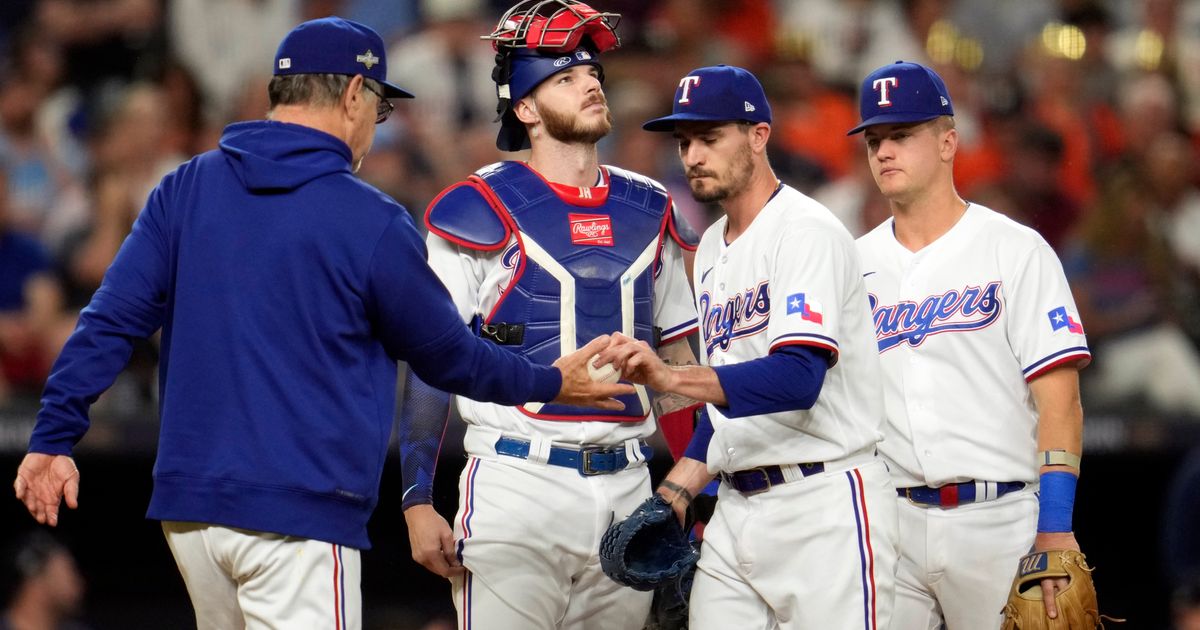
[1148,108]
[40,187]
[225,44]
[834,32]
[1119,272]
[899,30]
[855,199]
[42,587]
[686,34]
[1053,79]
[1170,168]
[31,305]
[1034,186]
[1163,36]
[450,121]
[106,41]
[449,64]
[808,114]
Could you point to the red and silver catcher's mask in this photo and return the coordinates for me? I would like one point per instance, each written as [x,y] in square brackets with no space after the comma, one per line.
[555,25]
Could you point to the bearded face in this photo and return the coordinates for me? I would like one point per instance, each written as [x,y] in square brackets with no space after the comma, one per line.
[711,185]
[585,125]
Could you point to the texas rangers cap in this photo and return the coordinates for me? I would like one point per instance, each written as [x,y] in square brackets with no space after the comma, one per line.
[902,92]
[717,93]
[334,45]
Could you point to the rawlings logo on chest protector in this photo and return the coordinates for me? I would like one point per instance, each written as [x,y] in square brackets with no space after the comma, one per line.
[591,229]
[908,322]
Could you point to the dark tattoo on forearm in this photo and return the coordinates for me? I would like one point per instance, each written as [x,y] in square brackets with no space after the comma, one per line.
[680,491]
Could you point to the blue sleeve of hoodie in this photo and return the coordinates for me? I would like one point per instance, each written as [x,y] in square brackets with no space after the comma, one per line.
[130,304]
[789,378]
[417,322]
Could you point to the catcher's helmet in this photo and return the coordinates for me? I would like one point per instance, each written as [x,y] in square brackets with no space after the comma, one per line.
[536,39]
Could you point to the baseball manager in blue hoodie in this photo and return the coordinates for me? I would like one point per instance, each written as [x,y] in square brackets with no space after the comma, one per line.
[286,290]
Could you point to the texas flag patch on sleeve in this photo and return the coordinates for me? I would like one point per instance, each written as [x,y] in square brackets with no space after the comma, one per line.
[1061,318]
[808,309]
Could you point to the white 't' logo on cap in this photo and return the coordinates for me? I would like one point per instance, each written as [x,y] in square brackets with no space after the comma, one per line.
[686,83]
[882,86]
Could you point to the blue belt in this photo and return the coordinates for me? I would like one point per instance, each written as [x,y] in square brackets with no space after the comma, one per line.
[953,494]
[755,480]
[588,460]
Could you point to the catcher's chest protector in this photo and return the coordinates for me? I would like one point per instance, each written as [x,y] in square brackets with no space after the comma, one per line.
[580,272]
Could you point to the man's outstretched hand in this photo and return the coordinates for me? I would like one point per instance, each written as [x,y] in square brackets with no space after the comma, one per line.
[43,481]
[579,389]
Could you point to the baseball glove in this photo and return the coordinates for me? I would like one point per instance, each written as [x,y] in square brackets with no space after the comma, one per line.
[648,549]
[669,608]
[1077,606]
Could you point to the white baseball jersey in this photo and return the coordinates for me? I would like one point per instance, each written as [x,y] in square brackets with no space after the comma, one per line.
[792,277]
[477,279]
[962,325]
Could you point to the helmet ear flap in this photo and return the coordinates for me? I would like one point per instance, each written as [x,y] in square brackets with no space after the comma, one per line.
[502,75]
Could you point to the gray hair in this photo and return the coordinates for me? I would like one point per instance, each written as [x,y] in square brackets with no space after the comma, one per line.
[316,90]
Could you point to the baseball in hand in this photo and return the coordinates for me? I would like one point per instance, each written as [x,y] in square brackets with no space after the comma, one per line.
[604,374]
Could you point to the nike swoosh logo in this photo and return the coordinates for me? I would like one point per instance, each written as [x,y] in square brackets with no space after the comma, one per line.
[705,274]
[868,273]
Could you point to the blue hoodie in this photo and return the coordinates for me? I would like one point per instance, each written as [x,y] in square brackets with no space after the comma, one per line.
[286,290]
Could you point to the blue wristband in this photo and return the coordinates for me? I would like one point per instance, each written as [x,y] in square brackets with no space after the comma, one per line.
[1056,501]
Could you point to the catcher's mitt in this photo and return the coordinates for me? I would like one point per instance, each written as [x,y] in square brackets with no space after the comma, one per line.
[1077,606]
[647,549]
[669,608]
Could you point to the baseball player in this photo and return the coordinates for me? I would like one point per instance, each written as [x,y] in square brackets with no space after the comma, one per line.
[804,531]
[285,290]
[980,344]
[539,256]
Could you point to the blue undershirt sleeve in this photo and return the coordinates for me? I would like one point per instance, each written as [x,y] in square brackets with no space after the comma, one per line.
[424,413]
[788,379]
[417,322]
[697,448]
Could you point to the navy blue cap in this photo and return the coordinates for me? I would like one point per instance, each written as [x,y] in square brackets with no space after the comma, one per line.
[529,68]
[334,45]
[717,93]
[902,93]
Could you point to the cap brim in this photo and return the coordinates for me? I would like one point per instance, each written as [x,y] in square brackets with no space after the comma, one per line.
[892,118]
[391,90]
[667,123]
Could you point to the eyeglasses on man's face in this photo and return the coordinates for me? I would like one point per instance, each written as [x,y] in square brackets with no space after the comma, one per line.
[384,108]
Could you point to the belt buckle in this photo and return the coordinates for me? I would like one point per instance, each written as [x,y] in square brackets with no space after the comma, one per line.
[766,482]
[585,461]
[908,495]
